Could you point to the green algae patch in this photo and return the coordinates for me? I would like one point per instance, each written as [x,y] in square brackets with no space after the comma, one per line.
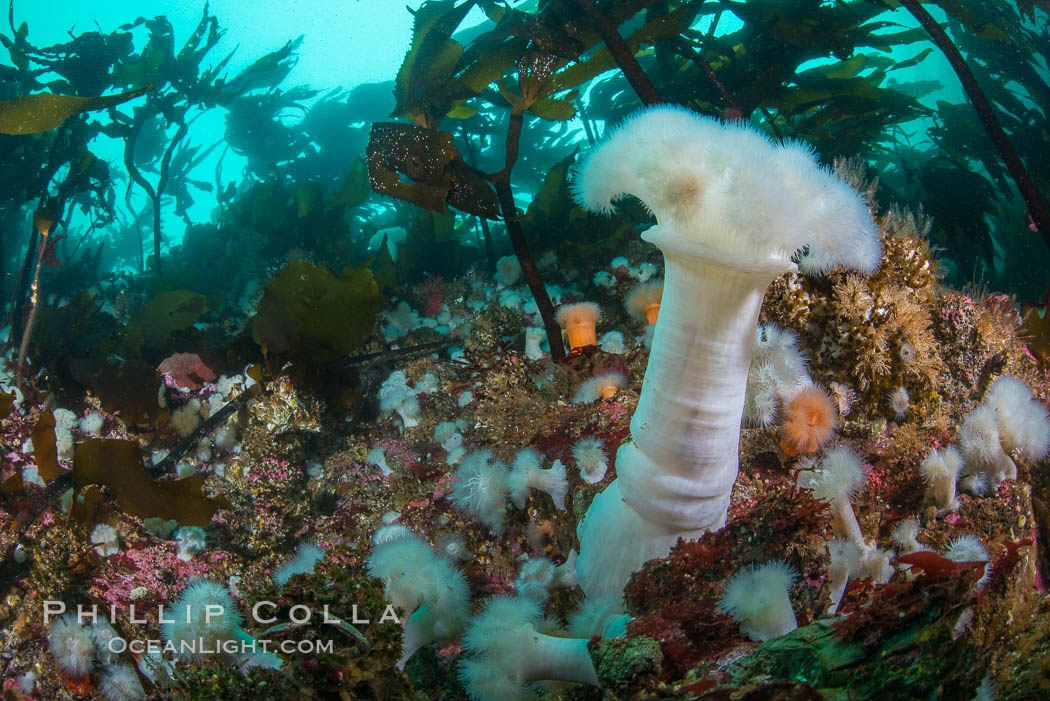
[619,662]
[309,314]
[913,661]
[117,464]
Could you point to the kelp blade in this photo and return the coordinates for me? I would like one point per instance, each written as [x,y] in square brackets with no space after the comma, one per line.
[33,114]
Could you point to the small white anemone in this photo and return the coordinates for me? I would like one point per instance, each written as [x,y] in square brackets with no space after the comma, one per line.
[306,557]
[602,616]
[940,470]
[845,560]
[589,454]
[905,534]
[432,593]
[602,386]
[538,577]
[480,489]
[104,537]
[758,597]
[121,683]
[72,645]
[506,651]
[527,474]
[204,612]
[969,548]
[836,481]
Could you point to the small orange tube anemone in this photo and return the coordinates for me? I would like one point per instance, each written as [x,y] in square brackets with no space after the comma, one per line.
[809,422]
[580,322]
[644,301]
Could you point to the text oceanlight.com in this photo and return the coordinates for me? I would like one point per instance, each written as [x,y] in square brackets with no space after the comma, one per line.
[240,644]
[200,646]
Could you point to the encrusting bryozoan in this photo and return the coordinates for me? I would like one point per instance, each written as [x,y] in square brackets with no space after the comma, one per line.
[506,652]
[733,210]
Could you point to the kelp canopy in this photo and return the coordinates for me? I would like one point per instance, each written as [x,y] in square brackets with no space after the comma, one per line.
[465,156]
[830,74]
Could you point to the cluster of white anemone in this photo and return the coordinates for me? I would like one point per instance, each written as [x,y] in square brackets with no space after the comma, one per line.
[777,374]
[483,484]
[76,647]
[1009,424]
[398,396]
[431,593]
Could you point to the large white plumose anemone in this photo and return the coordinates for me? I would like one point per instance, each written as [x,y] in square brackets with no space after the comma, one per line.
[733,212]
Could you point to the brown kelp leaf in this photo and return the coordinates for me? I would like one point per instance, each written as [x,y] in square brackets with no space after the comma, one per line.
[553,109]
[44,448]
[426,157]
[425,87]
[1036,335]
[85,506]
[355,187]
[128,388]
[423,155]
[7,404]
[117,464]
[33,114]
[167,313]
[314,316]
[12,485]
[255,372]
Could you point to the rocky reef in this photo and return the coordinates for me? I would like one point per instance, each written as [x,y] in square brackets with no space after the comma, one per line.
[302,490]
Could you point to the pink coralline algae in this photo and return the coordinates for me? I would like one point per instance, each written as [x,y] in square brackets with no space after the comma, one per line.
[400,449]
[187,370]
[141,565]
[271,471]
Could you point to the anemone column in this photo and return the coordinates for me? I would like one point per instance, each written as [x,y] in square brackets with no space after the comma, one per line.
[675,477]
[732,211]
